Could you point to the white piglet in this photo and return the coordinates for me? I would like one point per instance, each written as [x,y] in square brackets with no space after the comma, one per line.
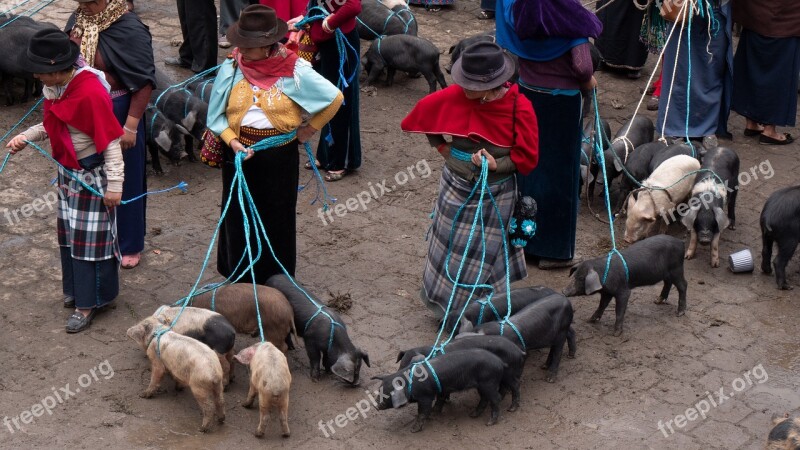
[270,379]
[645,208]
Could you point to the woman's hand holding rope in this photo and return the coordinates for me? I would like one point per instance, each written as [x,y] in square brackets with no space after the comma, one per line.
[17,143]
[476,159]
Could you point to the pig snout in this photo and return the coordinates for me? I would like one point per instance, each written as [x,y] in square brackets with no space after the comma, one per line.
[569,290]
[705,237]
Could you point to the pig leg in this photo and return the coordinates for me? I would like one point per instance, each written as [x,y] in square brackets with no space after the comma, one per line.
[204,397]
[263,411]
[374,73]
[620,307]
[439,76]
[481,406]
[554,357]
[423,412]
[154,159]
[157,371]
[226,368]
[28,92]
[573,347]
[313,359]
[251,395]
[664,295]
[766,253]
[283,406]
[715,251]
[229,357]
[732,208]
[289,343]
[605,299]
[681,285]
[219,403]
[515,395]
[692,245]
[431,81]
[489,393]
[439,404]
[390,73]
[786,249]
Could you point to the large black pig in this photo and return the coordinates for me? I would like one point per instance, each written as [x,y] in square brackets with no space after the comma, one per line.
[409,54]
[714,188]
[455,372]
[339,356]
[186,109]
[480,311]
[513,357]
[639,131]
[375,20]
[780,223]
[547,323]
[649,261]
[15,34]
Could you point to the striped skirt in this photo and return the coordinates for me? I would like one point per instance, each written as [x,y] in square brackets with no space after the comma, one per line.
[447,235]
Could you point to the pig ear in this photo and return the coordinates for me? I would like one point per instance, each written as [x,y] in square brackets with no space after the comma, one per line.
[573,269]
[689,218]
[182,129]
[592,283]
[617,164]
[466,326]
[722,219]
[400,356]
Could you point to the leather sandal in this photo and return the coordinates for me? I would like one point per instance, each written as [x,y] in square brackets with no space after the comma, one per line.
[77,322]
[307,165]
[749,132]
[332,176]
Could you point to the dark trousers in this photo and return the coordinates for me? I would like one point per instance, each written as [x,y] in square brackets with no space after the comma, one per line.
[91,283]
[488,5]
[340,140]
[131,218]
[199,29]
[229,12]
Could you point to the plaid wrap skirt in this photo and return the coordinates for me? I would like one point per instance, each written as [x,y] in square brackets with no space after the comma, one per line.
[453,192]
[85,224]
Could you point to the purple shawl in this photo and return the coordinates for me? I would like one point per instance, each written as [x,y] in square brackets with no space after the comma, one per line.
[554,18]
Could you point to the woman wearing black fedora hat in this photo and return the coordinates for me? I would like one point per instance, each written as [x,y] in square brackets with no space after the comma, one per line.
[85,140]
[486,118]
[265,90]
[116,42]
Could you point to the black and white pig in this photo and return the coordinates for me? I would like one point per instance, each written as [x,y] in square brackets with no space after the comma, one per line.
[511,355]
[705,218]
[340,356]
[164,136]
[650,261]
[185,109]
[455,372]
[547,323]
[202,88]
[378,19]
[480,311]
[780,223]
[407,53]
[639,131]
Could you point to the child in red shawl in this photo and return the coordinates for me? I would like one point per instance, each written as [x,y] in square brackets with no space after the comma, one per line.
[486,117]
[85,140]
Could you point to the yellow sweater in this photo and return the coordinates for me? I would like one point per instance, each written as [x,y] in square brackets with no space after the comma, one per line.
[284,114]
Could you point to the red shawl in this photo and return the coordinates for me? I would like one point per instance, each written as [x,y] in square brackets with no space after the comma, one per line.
[85,105]
[449,111]
[266,72]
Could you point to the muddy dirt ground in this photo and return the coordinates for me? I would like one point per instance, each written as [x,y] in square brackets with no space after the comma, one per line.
[613,395]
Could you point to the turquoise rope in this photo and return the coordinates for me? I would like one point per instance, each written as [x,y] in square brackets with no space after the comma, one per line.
[14,7]
[182,185]
[29,12]
[602,160]
[16,125]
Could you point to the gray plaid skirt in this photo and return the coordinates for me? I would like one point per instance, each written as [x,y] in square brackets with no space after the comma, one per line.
[453,192]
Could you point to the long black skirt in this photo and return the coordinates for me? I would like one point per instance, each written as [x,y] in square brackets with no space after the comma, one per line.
[765,78]
[272,176]
[619,42]
[554,182]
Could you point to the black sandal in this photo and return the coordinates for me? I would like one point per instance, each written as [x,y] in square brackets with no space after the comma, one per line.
[77,322]
[767,140]
[486,15]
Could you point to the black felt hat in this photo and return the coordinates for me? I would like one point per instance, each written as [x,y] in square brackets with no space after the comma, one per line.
[50,50]
[258,26]
[483,66]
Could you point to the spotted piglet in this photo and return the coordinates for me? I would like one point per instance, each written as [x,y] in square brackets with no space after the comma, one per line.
[270,379]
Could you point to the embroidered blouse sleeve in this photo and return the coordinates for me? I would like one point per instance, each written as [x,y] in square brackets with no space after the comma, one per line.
[217,120]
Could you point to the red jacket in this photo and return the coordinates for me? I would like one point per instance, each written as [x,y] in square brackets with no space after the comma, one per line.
[287,9]
[343,16]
